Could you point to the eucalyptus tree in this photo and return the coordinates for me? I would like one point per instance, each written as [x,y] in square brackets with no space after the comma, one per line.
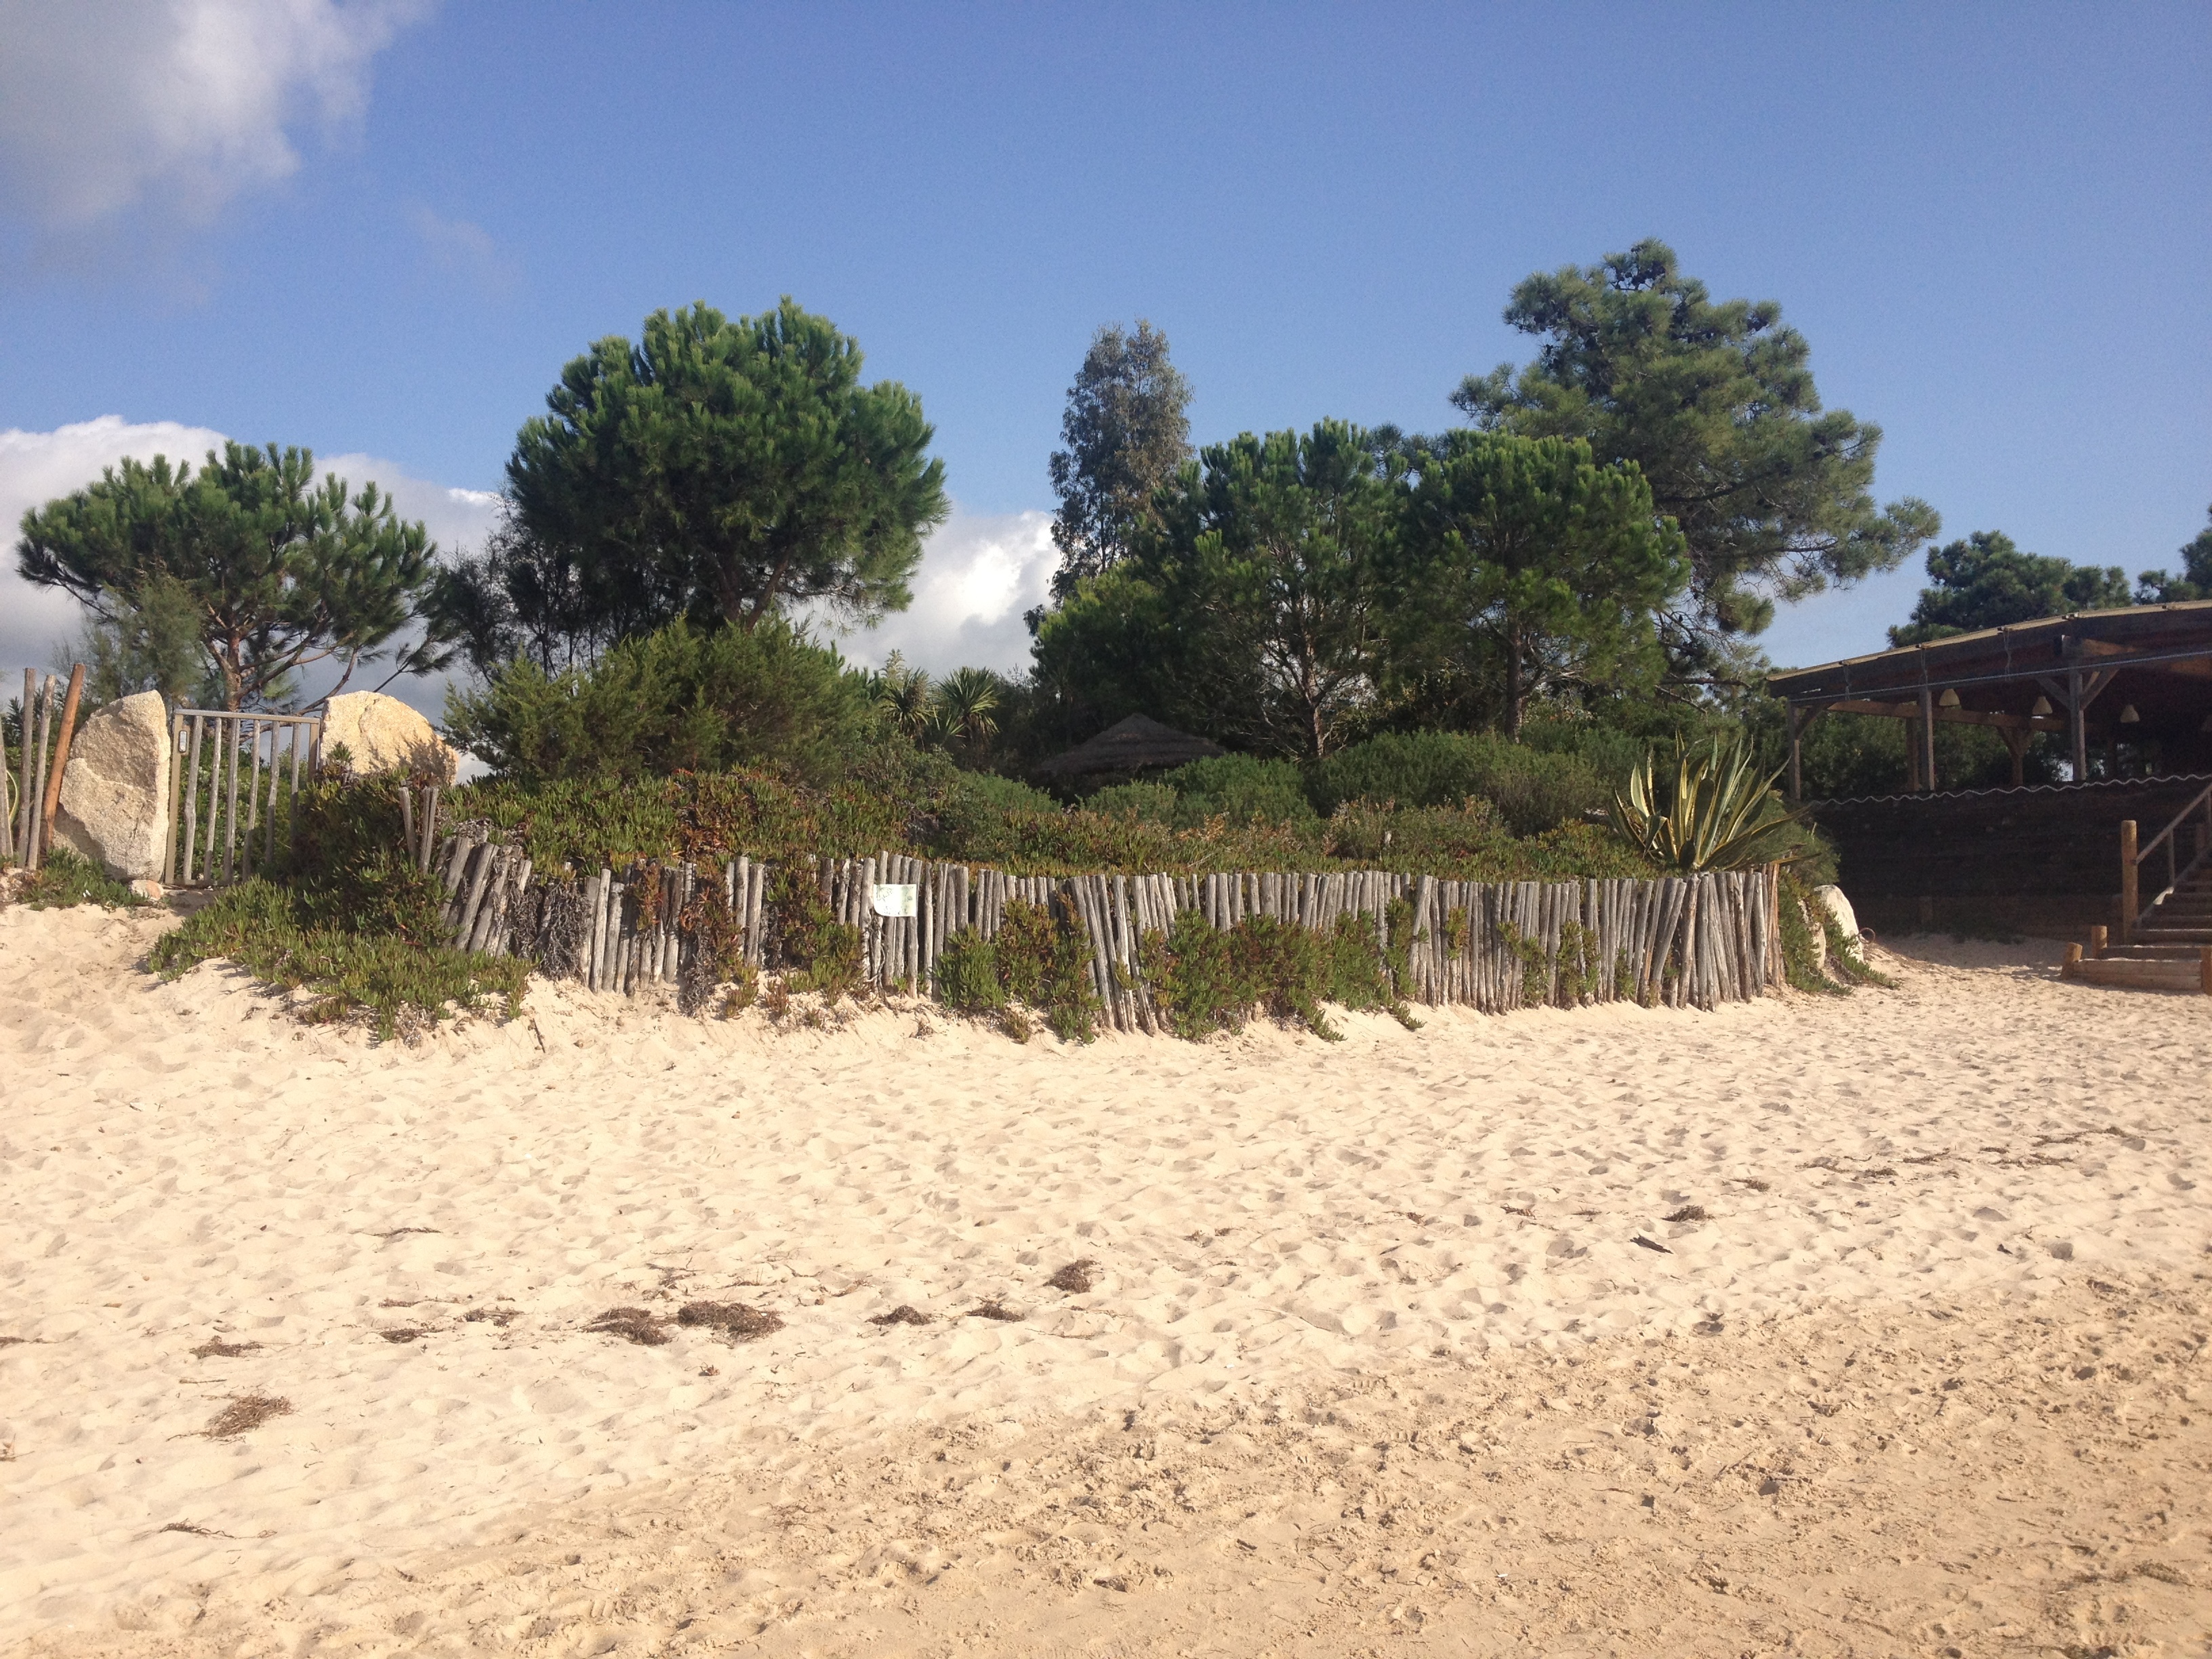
[1127,430]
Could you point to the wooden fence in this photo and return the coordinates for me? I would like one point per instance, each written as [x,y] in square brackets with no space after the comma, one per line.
[49,715]
[1697,940]
[233,779]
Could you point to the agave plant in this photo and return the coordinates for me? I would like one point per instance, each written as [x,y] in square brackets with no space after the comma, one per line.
[1717,811]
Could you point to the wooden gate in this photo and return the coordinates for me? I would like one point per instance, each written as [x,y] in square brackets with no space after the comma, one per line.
[233,781]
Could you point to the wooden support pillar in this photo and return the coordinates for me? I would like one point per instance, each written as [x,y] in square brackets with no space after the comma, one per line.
[1927,738]
[2077,725]
[2016,742]
[1799,718]
[2127,882]
[2100,940]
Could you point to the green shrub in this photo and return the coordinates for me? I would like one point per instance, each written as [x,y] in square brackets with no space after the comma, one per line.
[395,981]
[1148,803]
[1532,790]
[62,880]
[1205,980]
[682,699]
[967,974]
[346,867]
[1043,957]
[1239,789]
[812,941]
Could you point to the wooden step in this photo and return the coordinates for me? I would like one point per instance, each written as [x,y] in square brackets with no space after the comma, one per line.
[2137,974]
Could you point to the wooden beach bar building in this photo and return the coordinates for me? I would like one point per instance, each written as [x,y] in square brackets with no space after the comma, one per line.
[2126,848]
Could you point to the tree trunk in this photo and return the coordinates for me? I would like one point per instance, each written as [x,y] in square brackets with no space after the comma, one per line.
[1514,691]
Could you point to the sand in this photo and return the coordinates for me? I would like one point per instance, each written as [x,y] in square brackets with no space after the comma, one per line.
[1874,1324]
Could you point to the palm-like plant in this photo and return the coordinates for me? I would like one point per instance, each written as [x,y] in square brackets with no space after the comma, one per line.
[902,697]
[1716,812]
[965,701]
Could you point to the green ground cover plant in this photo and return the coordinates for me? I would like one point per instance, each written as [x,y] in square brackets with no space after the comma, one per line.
[398,984]
[63,878]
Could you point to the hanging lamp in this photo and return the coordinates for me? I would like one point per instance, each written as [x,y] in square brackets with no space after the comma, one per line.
[2128,715]
[1949,700]
[2042,706]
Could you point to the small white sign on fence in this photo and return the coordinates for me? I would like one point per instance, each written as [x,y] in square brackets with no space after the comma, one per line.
[897,898]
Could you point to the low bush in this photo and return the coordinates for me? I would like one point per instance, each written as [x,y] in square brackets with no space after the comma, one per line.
[681,699]
[1240,790]
[397,983]
[820,953]
[1533,790]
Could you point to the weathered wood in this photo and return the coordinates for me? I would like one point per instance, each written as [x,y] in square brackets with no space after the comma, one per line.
[34,786]
[53,796]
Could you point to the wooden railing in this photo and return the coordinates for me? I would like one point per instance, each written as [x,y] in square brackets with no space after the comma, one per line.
[224,818]
[2132,857]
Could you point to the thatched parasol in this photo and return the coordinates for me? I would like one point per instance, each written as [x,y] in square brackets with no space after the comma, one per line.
[1138,744]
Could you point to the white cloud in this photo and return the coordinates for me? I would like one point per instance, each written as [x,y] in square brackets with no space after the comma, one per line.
[182,104]
[464,249]
[979,573]
[35,467]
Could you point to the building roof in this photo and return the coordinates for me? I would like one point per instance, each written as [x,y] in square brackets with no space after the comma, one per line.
[1138,744]
[2146,667]
[2164,637]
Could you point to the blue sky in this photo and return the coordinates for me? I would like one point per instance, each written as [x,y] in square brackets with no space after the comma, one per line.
[380,229]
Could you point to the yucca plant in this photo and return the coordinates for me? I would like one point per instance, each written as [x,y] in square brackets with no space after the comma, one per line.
[964,702]
[901,696]
[1715,812]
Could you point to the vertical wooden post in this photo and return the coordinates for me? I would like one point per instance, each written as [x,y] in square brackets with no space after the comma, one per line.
[22,851]
[2204,971]
[52,803]
[1798,721]
[2077,725]
[2127,882]
[1927,739]
[2100,940]
[36,791]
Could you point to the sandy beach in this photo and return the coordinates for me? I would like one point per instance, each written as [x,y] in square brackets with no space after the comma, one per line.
[1874,1324]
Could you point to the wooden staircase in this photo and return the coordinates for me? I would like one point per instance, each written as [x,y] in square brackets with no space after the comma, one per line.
[2166,945]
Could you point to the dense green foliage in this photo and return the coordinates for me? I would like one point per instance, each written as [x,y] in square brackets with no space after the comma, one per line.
[683,698]
[1532,790]
[1127,431]
[1985,582]
[1255,608]
[1715,402]
[727,470]
[278,569]
[2195,581]
[1531,570]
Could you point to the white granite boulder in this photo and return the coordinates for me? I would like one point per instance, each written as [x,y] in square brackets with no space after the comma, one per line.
[115,790]
[1839,907]
[383,734]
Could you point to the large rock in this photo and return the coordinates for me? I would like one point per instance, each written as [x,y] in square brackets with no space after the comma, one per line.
[383,734]
[115,789]
[1847,922]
